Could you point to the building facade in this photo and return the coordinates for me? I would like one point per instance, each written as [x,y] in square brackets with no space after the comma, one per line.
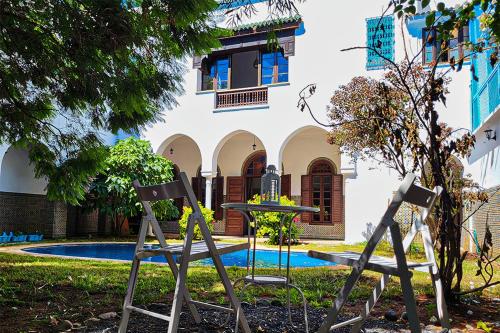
[485,124]
[239,114]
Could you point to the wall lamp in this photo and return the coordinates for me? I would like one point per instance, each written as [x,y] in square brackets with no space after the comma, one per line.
[171,151]
[490,134]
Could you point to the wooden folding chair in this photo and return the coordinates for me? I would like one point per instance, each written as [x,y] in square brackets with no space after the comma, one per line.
[414,194]
[185,253]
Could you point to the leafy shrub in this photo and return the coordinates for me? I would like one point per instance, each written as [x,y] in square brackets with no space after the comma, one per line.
[269,222]
[208,214]
[112,190]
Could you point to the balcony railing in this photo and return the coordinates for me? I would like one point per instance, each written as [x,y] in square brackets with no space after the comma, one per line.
[241,97]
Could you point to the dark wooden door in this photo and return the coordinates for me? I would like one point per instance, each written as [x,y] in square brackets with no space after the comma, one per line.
[305,184]
[338,199]
[218,199]
[286,186]
[235,191]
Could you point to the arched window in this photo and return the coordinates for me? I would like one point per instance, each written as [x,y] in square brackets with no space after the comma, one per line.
[253,169]
[321,172]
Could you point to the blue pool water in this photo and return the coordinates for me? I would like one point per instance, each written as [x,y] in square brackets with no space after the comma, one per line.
[264,258]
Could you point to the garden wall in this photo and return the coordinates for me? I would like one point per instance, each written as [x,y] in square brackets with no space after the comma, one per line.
[489,213]
[29,213]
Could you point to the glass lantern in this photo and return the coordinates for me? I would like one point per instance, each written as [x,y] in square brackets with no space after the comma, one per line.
[270,189]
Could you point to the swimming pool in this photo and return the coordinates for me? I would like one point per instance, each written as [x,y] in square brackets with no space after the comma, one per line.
[264,258]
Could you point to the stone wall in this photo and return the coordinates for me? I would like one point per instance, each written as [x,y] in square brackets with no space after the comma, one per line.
[29,213]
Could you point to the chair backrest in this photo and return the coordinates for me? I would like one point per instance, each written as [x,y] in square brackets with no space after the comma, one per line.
[412,193]
[171,190]
[408,192]
[420,196]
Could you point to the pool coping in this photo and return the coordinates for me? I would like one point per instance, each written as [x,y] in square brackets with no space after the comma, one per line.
[19,250]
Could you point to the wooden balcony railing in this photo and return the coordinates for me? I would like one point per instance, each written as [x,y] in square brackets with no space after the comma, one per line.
[242,97]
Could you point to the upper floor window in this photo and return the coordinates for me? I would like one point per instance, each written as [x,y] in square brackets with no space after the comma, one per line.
[438,51]
[274,68]
[216,75]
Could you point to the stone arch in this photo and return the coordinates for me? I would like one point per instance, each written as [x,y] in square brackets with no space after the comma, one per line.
[17,174]
[226,140]
[294,134]
[183,151]
[322,159]
[303,147]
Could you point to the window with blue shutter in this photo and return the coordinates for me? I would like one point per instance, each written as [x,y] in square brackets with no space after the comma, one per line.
[274,68]
[222,73]
[267,68]
[219,69]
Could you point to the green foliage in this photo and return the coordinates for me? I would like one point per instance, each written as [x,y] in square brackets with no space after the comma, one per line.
[456,17]
[484,326]
[269,222]
[112,191]
[71,70]
[82,287]
[208,214]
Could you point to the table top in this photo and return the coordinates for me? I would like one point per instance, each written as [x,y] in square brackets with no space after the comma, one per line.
[269,208]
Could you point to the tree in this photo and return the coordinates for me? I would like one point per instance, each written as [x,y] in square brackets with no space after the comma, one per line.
[112,191]
[395,120]
[455,18]
[73,69]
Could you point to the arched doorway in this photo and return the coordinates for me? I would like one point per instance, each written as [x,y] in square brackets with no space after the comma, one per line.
[321,173]
[232,154]
[253,169]
[322,188]
[179,202]
[199,184]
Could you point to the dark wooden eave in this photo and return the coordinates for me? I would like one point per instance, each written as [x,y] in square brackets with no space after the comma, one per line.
[257,36]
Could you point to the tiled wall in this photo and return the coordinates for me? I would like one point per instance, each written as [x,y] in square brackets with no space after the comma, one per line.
[29,213]
[489,213]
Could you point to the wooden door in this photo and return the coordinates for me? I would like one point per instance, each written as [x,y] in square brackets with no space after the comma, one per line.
[198,193]
[235,193]
[306,197]
[286,186]
[338,199]
[218,198]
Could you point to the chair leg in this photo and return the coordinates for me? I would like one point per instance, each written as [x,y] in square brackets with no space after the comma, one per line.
[331,317]
[436,280]
[132,282]
[409,298]
[440,301]
[304,302]
[235,302]
[377,291]
[185,291]
[181,279]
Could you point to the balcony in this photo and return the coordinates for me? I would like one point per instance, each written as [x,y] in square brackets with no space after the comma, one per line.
[241,97]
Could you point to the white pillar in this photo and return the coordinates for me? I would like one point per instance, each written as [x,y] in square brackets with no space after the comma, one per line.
[208,192]
[208,175]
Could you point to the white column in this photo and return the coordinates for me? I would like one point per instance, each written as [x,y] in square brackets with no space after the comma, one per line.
[208,175]
[208,192]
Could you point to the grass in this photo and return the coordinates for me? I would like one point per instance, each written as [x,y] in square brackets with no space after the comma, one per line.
[86,287]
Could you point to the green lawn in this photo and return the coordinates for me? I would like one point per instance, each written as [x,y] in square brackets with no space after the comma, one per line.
[85,288]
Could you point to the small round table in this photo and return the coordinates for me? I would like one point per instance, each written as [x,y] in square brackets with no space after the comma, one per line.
[289,214]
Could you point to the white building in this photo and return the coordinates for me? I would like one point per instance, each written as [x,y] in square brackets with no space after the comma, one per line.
[239,113]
